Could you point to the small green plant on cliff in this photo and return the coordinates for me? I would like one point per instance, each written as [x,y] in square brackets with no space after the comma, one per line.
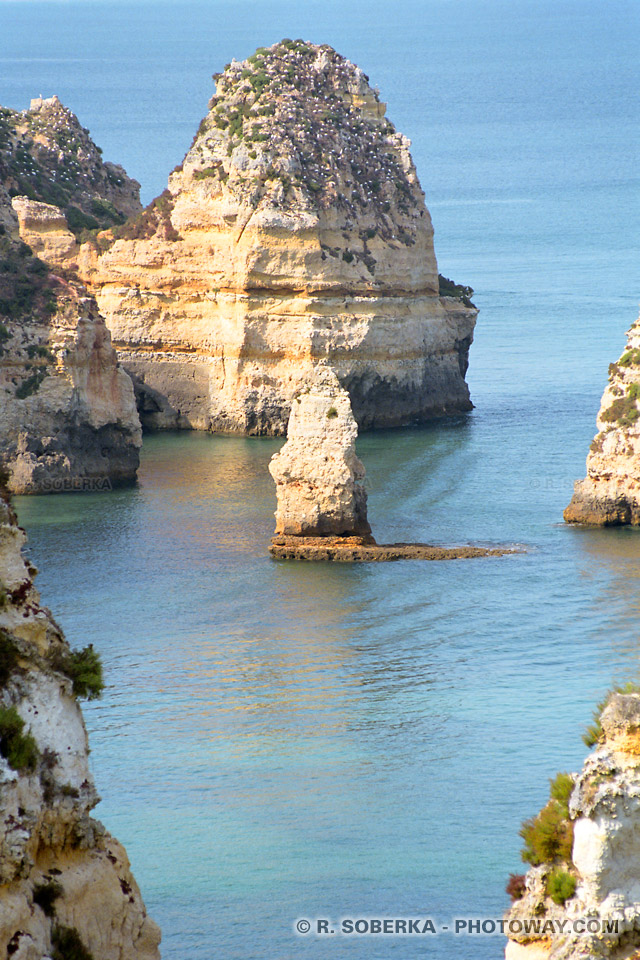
[67,944]
[332,413]
[623,411]
[594,733]
[560,886]
[84,669]
[549,836]
[630,358]
[8,654]
[31,384]
[45,896]
[18,748]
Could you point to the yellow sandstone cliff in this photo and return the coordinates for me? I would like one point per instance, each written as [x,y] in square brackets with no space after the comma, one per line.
[295,230]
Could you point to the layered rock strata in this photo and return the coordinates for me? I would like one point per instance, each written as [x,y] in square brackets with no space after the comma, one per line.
[65,884]
[610,493]
[601,917]
[319,478]
[68,417]
[294,230]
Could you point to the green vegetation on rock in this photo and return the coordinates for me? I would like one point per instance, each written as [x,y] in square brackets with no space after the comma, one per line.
[549,836]
[18,748]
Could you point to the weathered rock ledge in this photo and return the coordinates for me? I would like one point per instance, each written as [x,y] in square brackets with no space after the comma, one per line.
[610,493]
[365,549]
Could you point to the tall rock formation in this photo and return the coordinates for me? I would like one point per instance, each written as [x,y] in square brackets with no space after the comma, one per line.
[610,493]
[68,417]
[584,900]
[295,230]
[65,884]
[319,478]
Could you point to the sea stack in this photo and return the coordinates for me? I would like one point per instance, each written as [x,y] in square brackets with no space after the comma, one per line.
[66,888]
[322,502]
[610,493]
[295,230]
[319,478]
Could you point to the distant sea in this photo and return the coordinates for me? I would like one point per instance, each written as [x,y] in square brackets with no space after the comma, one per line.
[281,741]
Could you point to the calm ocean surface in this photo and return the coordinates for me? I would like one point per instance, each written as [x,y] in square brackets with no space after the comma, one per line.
[278,740]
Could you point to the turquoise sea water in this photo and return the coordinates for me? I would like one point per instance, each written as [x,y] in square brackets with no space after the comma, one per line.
[278,740]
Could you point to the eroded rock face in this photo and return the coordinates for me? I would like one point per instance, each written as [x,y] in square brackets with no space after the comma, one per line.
[50,846]
[68,417]
[605,809]
[319,478]
[610,493]
[295,230]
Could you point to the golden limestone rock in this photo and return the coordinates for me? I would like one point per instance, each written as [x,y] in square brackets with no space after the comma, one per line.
[319,478]
[295,230]
[68,417]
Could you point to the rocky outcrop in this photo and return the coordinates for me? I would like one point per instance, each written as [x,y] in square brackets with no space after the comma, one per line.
[588,905]
[65,883]
[610,493]
[295,230]
[68,417]
[47,156]
[321,499]
[319,478]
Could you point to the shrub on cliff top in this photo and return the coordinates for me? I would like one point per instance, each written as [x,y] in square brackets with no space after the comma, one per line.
[18,748]
[549,835]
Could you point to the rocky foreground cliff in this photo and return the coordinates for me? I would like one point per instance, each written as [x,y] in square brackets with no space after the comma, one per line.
[294,230]
[610,493]
[581,898]
[66,889]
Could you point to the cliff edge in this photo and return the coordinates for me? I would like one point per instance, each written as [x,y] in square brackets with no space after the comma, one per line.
[66,888]
[581,898]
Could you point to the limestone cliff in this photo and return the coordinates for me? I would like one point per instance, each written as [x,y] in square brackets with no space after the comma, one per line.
[65,883]
[47,156]
[294,230]
[610,493]
[68,417]
[319,478]
[582,898]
